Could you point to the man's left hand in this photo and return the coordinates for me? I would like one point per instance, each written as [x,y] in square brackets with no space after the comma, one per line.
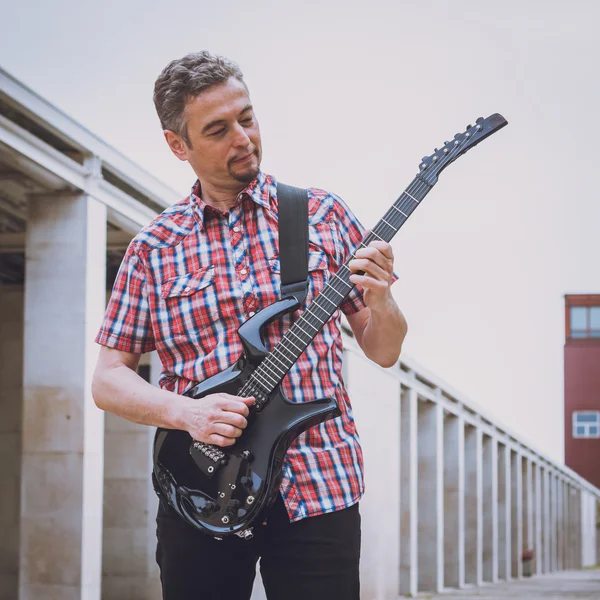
[377,262]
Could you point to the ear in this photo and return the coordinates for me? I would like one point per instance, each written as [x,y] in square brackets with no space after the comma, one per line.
[177,145]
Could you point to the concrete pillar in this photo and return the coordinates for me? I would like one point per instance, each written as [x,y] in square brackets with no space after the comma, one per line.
[560,532]
[408,493]
[539,548]
[129,569]
[546,521]
[528,506]
[554,522]
[473,506]
[380,508]
[565,524]
[504,512]
[430,496]
[490,509]
[516,515]
[454,495]
[11,376]
[61,510]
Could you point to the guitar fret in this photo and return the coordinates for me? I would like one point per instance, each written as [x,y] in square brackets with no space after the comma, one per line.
[315,316]
[412,198]
[330,301]
[304,320]
[338,293]
[280,362]
[389,224]
[290,341]
[402,213]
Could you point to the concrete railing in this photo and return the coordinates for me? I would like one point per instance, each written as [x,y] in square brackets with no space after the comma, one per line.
[454,498]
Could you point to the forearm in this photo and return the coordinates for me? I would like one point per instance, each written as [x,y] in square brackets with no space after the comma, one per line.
[383,334]
[121,391]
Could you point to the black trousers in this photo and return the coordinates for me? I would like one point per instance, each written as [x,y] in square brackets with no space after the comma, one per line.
[315,558]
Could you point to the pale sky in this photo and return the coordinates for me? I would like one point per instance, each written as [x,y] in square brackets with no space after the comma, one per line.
[350,96]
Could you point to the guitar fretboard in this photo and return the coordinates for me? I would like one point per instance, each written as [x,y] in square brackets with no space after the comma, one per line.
[280,360]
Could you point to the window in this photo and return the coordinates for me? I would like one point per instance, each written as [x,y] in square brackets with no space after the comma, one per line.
[584,322]
[586,424]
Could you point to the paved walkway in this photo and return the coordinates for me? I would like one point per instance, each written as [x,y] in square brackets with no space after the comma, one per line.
[583,585]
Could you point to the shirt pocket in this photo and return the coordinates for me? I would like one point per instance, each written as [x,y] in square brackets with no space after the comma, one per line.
[318,272]
[191,304]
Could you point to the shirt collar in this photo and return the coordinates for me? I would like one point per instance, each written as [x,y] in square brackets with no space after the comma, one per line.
[261,191]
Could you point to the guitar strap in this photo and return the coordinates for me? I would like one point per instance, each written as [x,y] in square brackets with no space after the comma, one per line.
[293,240]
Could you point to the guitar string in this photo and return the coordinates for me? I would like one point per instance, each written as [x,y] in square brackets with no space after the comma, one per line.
[417,189]
[267,367]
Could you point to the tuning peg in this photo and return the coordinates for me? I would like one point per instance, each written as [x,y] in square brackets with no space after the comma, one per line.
[479,120]
[469,126]
[435,149]
[446,143]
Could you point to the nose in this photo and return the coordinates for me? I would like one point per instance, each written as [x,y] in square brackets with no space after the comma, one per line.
[240,137]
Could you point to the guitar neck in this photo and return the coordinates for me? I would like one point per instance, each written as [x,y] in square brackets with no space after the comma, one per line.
[280,360]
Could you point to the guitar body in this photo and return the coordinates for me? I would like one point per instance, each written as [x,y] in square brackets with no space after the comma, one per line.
[221,491]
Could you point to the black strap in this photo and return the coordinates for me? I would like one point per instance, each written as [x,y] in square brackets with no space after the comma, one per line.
[293,240]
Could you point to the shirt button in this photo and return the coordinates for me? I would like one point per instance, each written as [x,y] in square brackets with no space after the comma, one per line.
[243,271]
[251,313]
[187,289]
[236,229]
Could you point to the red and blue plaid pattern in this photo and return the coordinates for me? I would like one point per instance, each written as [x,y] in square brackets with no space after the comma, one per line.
[191,277]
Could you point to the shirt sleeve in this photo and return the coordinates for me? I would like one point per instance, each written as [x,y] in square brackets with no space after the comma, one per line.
[126,325]
[350,233]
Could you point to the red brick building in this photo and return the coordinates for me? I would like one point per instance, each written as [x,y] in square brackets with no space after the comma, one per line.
[582,385]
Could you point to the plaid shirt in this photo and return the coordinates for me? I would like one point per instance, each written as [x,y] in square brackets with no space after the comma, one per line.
[190,278]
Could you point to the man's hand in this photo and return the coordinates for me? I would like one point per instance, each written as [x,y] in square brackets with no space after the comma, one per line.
[215,419]
[377,262]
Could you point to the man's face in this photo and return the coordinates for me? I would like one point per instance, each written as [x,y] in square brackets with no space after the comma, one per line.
[224,136]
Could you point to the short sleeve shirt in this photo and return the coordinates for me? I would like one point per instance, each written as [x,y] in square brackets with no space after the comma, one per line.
[195,274]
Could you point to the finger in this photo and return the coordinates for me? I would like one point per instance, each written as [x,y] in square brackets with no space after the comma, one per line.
[237,405]
[383,247]
[376,256]
[219,440]
[371,268]
[226,430]
[369,283]
[232,418]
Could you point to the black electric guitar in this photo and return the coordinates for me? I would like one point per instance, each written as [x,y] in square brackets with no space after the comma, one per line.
[224,491]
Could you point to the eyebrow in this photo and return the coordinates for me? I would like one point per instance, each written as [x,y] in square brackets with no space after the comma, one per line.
[222,121]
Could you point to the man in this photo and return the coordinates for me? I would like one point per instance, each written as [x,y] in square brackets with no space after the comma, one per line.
[187,282]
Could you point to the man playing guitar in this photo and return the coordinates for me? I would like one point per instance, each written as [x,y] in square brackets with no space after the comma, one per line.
[187,282]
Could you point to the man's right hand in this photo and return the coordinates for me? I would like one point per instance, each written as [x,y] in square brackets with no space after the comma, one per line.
[215,419]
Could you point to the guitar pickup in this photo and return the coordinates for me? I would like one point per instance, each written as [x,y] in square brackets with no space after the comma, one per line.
[208,457]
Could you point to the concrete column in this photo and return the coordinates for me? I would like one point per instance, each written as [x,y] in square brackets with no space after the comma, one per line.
[539,548]
[504,513]
[572,527]
[129,570]
[408,493]
[546,521]
[61,510]
[528,506]
[516,514]
[380,508]
[560,525]
[454,495]
[430,496]
[490,509]
[565,524]
[11,376]
[473,506]
[554,523]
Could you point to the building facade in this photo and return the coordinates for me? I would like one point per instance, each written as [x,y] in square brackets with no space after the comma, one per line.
[582,385]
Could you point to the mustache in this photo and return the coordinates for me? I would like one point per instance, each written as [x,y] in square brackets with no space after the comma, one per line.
[254,151]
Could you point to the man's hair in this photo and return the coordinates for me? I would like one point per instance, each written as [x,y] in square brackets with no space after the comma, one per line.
[184,79]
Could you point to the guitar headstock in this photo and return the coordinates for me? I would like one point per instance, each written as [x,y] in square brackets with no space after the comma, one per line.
[432,166]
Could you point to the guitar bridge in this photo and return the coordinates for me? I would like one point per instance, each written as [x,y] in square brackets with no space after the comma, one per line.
[208,457]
